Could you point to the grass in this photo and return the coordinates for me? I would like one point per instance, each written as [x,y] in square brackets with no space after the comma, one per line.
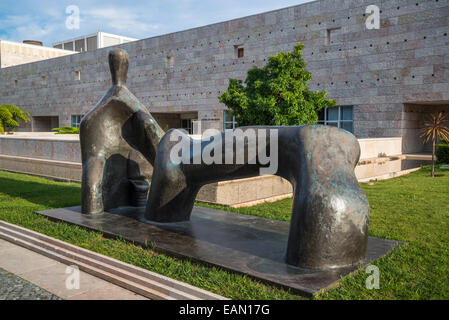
[412,208]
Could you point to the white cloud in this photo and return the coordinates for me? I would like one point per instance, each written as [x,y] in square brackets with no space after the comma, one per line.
[44,20]
[118,20]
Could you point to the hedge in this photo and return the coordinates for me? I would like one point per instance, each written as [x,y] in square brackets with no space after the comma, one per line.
[443,153]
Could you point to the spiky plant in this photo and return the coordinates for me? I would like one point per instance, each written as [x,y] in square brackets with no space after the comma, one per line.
[435,127]
[10,115]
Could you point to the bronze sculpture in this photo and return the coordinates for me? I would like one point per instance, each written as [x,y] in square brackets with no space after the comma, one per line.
[119,139]
[330,214]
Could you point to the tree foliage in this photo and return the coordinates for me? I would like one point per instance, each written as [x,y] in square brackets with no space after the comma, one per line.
[10,115]
[276,94]
[436,126]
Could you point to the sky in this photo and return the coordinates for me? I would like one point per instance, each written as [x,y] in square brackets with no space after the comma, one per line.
[45,20]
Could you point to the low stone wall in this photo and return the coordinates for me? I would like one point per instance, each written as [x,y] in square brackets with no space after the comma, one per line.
[43,154]
[380,147]
[246,192]
[48,146]
[59,157]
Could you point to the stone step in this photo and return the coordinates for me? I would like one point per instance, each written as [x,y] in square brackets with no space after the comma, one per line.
[138,280]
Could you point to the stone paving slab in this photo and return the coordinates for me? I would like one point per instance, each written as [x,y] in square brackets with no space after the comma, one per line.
[27,275]
[13,287]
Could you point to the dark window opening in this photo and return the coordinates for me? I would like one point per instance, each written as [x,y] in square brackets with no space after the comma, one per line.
[240,52]
[340,117]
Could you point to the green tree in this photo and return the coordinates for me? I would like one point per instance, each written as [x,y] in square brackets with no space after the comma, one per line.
[435,126]
[276,94]
[10,115]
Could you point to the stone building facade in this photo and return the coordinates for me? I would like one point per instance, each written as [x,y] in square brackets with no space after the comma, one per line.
[385,81]
[16,53]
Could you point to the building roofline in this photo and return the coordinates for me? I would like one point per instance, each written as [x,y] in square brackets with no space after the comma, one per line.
[199,27]
[231,20]
[93,35]
[26,45]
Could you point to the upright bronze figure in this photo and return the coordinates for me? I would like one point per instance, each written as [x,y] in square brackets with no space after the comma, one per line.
[119,140]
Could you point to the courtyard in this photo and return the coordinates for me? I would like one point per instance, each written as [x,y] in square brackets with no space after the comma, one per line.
[412,209]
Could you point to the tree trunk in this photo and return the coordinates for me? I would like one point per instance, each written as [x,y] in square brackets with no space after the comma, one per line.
[433,158]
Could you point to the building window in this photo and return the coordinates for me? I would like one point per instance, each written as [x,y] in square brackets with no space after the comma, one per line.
[44,79]
[76,120]
[77,75]
[229,120]
[170,62]
[239,51]
[16,82]
[331,35]
[340,117]
[187,125]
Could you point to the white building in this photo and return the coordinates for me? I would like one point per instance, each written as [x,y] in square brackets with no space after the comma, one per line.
[92,42]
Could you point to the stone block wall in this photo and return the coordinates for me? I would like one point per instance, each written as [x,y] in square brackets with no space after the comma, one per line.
[16,53]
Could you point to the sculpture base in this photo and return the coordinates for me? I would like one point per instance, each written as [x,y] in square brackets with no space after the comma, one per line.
[245,244]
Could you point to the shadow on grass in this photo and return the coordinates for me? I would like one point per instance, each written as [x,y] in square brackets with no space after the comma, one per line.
[40,191]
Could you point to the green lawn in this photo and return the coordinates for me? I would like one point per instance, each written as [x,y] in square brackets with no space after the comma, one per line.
[413,209]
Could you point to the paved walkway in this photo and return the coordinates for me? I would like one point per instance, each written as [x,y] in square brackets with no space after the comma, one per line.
[13,287]
[26,275]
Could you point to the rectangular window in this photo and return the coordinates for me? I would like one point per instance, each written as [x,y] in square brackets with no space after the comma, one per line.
[229,122]
[170,62]
[186,124]
[79,45]
[77,75]
[92,43]
[340,117]
[76,120]
[16,82]
[240,52]
[68,46]
[44,79]
[332,35]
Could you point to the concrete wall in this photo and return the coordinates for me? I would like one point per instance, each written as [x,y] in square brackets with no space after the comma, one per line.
[16,53]
[380,147]
[377,71]
[58,156]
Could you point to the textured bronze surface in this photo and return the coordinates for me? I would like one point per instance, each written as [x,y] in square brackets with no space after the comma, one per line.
[119,139]
[244,244]
[330,214]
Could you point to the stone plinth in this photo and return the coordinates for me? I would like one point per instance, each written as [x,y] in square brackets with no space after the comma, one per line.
[244,244]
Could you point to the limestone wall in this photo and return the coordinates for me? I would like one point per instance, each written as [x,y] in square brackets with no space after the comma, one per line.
[16,53]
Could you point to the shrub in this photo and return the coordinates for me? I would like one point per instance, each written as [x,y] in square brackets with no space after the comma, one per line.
[443,153]
[67,130]
[10,115]
[276,94]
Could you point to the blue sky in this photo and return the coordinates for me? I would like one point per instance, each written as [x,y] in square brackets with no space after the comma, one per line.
[45,20]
